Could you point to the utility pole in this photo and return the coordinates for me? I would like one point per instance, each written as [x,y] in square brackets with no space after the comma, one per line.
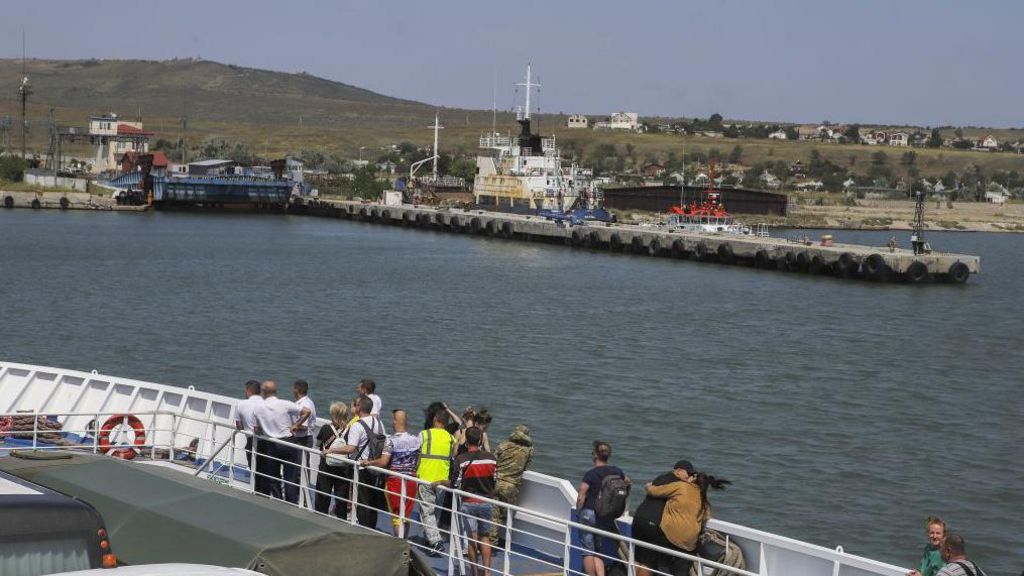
[23,93]
[437,127]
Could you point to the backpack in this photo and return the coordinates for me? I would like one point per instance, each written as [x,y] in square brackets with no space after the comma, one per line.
[374,444]
[712,545]
[977,571]
[612,497]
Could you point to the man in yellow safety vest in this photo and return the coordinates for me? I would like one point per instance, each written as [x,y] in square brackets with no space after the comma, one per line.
[436,451]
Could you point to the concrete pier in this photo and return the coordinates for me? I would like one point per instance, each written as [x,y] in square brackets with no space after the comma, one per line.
[62,201]
[843,260]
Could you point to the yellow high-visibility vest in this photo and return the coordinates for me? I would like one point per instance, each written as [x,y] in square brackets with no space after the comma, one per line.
[436,453]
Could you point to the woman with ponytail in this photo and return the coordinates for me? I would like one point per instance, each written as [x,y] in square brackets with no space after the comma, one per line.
[686,511]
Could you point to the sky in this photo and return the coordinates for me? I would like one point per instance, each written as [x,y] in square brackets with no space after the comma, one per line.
[867,61]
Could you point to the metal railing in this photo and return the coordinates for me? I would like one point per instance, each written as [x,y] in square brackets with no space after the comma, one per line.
[211,447]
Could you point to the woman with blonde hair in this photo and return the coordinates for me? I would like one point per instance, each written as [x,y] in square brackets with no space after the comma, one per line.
[332,479]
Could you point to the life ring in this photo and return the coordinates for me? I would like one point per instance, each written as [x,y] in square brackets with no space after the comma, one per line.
[124,452]
[958,273]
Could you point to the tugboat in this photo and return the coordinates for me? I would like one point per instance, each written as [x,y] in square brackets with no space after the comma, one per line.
[524,173]
[708,216]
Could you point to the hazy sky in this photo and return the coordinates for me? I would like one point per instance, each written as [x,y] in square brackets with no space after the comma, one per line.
[928,63]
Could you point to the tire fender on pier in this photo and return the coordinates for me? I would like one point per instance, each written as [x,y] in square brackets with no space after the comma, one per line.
[578,238]
[8,202]
[725,254]
[593,240]
[762,260]
[958,273]
[637,244]
[36,205]
[678,248]
[386,216]
[803,261]
[874,265]
[790,262]
[917,272]
[475,225]
[654,248]
[701,251]
[439,219]
[363,214]
[507,230]
[492,228]
[64,203]
[374,215]
[847,265]
[615,242]
[817,265]
[455,224]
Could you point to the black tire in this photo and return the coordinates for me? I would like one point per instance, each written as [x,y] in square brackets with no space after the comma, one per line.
[615,243]
[475,225]
[917,272]
[385,216]
[455,224]
[654,248]
[817,265]
[439,219]
[874,266]
[762,260]
[8,202]
[64,203]
[507,230]
[790,262]
[847,266]
[725,254]
[374,215]
[637,245]
[577,238]
[36,205]
[958,273]
[363,214]
[492,228]
[803,261]
[678,249]
[701,251]
[593,240]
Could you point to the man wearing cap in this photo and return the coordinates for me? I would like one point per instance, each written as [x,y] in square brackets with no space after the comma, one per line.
[513,456]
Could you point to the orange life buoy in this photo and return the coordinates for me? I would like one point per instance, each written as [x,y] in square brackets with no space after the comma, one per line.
[125,452]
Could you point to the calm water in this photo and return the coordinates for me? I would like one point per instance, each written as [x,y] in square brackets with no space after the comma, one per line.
[844,412]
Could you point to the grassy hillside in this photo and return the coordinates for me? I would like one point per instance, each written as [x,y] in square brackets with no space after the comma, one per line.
[276,113]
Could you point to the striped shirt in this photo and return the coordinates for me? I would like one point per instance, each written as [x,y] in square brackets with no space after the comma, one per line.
[474,473]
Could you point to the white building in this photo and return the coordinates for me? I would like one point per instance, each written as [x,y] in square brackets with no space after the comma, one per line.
[113,137]
[989,143]
[779,134]
[899,139]
[620,121]
[577,121]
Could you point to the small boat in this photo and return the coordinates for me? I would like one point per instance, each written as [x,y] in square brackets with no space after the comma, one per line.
[708,216]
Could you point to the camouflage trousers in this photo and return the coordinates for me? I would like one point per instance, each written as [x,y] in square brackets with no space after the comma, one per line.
[504,492]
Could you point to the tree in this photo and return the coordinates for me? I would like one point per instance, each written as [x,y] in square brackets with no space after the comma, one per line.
[12,168]
[365,182]
[736,156]
[935,140]
[852,133]
[715,118]
[909,157]
[464,168]
[792,133]
[731,131]
[879,158]
[959,133]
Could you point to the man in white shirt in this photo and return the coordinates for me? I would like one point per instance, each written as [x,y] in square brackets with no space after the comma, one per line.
[245,420]
[281,420]
[305,434]
[356,448]
[367,387]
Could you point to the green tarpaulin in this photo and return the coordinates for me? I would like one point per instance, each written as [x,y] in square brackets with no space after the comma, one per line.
[156,515]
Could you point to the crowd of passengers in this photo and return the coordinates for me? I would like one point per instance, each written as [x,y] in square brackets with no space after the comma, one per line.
[453,451]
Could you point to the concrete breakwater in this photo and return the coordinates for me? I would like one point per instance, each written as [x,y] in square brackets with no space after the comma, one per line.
[62,201]
[841,260]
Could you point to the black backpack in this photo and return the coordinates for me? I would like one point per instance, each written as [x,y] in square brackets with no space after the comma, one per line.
[374,443]
[611,498]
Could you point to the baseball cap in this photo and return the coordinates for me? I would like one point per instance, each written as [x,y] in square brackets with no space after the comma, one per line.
[685,465]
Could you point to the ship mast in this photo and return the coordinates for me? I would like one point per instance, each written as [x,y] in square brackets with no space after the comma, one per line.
[437,127]
[529,88]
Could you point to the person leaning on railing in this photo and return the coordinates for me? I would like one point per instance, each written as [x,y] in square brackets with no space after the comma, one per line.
[686,512]
[332,478]
[513,457]
[401,455]
[434,467]
[931,559]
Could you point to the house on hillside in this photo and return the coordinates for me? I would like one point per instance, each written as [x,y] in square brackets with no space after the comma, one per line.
[989,143]
[653,170]
[577,121]
[867,136]
[769,181]
[113,137]
[130,161]
[899,139]
[996,193]
[620,121]
[779,134]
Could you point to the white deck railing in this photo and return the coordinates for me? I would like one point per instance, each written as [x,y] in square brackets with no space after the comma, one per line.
[542,527]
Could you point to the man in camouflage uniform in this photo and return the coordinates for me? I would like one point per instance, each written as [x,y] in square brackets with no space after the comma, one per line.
[513,457]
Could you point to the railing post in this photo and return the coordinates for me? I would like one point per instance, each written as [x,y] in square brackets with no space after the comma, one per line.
[567,557]
[252,458]
[507,565]
[355,495]
[96,433]
[452,537]
[631,568]
[35,428]
[401,506]
[231,463]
